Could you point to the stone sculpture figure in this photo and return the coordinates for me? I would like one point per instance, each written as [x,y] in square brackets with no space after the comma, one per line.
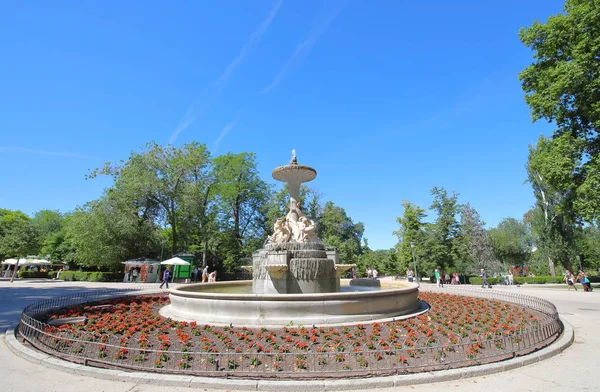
[281,232]
[292,219]
[307,230]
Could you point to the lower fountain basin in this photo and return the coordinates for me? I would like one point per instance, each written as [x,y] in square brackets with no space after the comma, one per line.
[200,303]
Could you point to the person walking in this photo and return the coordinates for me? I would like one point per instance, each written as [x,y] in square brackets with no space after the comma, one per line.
[438,278]
[205,274]
[584,280]
[570,280]
[456,278]
[166,276]
[484,278]
[195,274]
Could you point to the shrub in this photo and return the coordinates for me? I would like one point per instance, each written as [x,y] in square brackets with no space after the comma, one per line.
[91,276]
[33,274]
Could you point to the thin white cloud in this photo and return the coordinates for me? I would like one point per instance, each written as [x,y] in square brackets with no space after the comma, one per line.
[227,128]
[330,11]
[23,150]
[202,104]
[253,41]
[224,132]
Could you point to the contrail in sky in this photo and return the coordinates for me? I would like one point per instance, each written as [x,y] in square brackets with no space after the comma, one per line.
[224,132]
[227,128]
[331,10]
[40,152]
[201,105]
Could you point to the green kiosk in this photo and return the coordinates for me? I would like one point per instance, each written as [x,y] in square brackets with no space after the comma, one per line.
[183,271]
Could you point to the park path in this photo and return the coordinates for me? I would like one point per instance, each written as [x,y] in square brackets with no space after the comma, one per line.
[576,368]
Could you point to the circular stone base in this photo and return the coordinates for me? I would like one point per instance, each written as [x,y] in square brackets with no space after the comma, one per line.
[191,303]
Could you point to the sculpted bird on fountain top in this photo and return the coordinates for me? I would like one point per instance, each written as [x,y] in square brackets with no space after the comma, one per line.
[295,227]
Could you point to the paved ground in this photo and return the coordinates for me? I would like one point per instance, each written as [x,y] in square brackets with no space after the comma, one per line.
[574,369]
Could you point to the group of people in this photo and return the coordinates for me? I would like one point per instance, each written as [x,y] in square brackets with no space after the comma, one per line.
[131,275]
[441,278]
[206,276]
[372,273]
[581,278]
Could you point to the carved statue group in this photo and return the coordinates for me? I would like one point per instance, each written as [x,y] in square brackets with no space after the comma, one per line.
[295,227]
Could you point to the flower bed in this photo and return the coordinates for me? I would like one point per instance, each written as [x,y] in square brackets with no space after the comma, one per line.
[457,331]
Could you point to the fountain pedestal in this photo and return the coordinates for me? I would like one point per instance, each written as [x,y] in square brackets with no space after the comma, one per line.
[293,268]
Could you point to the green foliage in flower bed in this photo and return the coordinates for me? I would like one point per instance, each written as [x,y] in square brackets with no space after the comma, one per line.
[91,276]
[33,274]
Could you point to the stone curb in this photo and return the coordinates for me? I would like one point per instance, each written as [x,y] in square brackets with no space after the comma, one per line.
[563,342]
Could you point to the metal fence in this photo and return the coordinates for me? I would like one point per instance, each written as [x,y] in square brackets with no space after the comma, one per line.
[413,356]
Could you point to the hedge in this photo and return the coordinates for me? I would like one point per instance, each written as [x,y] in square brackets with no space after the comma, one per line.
[33,274]
[91,276]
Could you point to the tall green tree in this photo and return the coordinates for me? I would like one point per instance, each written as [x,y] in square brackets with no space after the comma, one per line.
[588,246]
[443,240]
[49,225]
[563,86]
[478,244]
[243,197]
[550,167]
[512,242]
[18,235]
[337,229]
[158,178]
[108,231]
[411,236]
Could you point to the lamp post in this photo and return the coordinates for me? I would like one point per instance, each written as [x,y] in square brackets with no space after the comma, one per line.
[412,247]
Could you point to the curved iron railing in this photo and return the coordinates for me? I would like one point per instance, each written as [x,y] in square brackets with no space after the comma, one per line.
[417,355]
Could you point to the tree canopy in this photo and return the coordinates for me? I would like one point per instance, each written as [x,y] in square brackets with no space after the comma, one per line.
[563,86]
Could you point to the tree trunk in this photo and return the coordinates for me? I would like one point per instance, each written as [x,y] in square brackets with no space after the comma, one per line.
[551,266]
[15,271]
[205,252]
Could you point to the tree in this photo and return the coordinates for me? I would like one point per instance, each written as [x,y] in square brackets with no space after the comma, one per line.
[443,238]
[512,242]
[563,86]
[18,236]
[550,167]
[47,222]
[110,230]
[337,229]
[243,197]
[588,245]
[411,236]
[158,178]
[478,243]
[383,260]
[49,225]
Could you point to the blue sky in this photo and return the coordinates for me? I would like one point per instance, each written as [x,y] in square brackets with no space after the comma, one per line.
[385,99]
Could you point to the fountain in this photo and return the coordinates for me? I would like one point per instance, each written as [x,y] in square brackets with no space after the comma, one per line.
[294,261]
[294,279]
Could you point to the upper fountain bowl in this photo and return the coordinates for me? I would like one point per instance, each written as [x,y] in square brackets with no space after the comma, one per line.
[294,173]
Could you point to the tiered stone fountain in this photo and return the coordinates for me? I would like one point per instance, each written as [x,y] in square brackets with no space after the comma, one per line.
[294,261]
[294,279]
